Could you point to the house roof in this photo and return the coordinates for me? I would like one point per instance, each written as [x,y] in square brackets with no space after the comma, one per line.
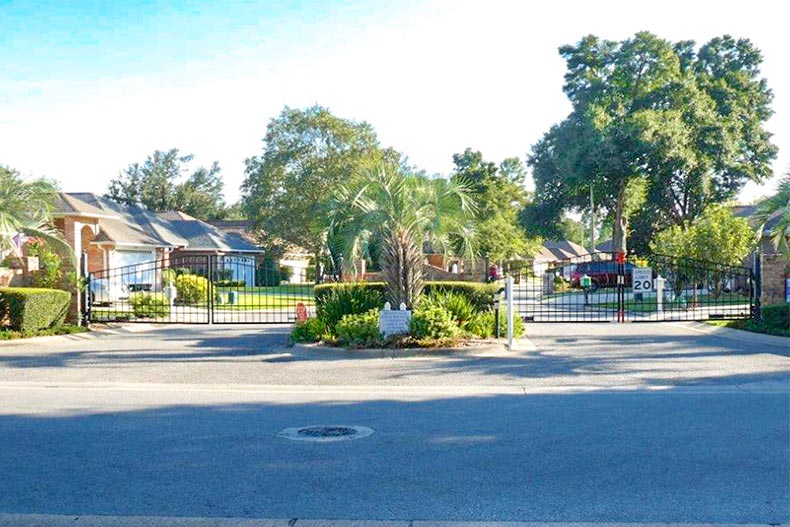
[554,250]
[202,235]
[606,246]
[134,225]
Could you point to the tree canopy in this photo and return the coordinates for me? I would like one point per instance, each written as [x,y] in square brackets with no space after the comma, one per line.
[656,128]
[499,194]
[307,153]
[403,212]
[775,210]
[26,207]
[159,184]
[714,236]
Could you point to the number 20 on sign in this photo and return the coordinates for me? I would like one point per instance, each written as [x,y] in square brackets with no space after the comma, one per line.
[642,279]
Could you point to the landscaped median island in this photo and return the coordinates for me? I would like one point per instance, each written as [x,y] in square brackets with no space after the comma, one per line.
[446,314]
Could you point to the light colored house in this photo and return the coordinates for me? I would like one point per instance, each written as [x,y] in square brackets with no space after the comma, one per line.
[558,251]
[295,259]
[116,236]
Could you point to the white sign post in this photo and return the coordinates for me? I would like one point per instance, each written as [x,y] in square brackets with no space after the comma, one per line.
[509,300]
[642,279]
[660,293]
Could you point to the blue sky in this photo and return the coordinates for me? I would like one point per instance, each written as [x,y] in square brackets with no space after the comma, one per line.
[89,87]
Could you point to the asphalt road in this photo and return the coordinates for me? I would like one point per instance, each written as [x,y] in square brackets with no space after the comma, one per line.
[601,423]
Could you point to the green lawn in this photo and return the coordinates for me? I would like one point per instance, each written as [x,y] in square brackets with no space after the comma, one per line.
[283,296]
[265,297]
[649,305]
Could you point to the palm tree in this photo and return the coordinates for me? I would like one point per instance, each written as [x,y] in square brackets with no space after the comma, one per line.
[403,212]
[774,215]
[26,207]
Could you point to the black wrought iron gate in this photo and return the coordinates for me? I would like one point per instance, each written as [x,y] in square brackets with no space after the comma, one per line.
[199,289]
[612,287]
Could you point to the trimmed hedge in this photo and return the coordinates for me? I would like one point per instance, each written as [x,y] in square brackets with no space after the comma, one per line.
[481,295]
[150,305]
[31,309]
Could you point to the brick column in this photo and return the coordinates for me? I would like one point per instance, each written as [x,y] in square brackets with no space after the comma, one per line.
[775,270]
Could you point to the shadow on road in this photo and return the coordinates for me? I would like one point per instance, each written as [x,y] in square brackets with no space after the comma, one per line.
[650,457]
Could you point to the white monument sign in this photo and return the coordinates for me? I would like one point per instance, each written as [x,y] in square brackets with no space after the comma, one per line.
[394,322]
[642,279]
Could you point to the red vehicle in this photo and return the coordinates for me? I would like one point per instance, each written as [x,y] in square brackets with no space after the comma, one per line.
[602,274]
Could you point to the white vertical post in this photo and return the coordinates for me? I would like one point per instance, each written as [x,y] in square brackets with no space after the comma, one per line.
[509,300]
[660,294]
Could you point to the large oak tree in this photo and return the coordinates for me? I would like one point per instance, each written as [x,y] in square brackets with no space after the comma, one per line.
[657,128]
[307,154]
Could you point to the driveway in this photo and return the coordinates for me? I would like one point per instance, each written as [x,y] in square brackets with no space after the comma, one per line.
[597,423]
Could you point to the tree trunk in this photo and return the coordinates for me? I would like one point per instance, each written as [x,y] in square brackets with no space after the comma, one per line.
[402,265]
[620,227]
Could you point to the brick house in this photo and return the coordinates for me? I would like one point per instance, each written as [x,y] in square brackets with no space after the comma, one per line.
[114,235]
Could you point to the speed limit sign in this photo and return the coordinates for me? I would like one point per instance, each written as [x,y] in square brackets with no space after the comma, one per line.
[642,279]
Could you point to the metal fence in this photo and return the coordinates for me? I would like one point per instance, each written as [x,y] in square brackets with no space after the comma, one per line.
[607,287]
[199,289]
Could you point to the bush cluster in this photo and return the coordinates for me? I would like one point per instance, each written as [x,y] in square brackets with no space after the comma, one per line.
[310,330]
[349,314]
[150,305]
[192,289]
[346,299]
[359,330]
[28,309]
[480,295]
[433,322]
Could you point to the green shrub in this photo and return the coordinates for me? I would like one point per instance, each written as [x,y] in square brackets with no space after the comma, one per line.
[32,309]
[359,330]
[433,322]
[230,283]
[481,295]
[150,305]
[169,277]
[334,302]
[192,289]
[776,317]
[65,329]
[50,264]
[561,285]
[483,324]
[459,306]
[268,273]
[310,330]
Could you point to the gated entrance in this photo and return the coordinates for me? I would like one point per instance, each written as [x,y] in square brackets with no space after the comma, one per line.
[198,289]
[609,287]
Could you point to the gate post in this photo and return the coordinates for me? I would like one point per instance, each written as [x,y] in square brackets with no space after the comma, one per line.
[84,290]
[210,288]
[756,290]
[509,299]
[621,287]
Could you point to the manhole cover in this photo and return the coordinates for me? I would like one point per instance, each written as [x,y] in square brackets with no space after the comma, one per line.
[326,433]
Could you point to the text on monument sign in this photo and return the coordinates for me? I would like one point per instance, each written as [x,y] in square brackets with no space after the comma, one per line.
[394,322]
[642,279]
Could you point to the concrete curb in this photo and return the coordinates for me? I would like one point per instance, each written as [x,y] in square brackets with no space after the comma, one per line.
[56,520]
[484,349]
[95,331]
[737,334]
